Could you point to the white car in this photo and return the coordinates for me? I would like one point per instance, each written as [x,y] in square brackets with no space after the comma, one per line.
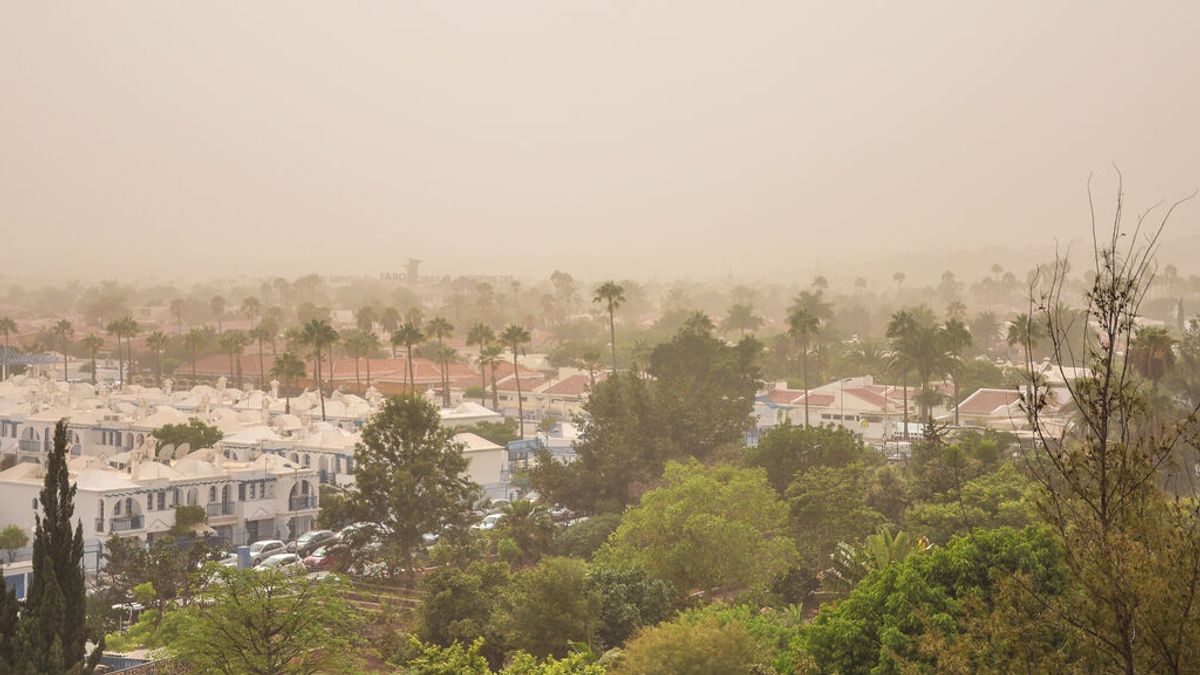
[286,562]
[489,522]
[261,550]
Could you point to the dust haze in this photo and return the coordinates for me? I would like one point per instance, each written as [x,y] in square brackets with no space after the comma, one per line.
[650,140]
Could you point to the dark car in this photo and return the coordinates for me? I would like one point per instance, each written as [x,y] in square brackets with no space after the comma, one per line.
[311,541]
[331,557]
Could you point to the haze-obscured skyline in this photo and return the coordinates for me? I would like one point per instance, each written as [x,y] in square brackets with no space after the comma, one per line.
[637,139]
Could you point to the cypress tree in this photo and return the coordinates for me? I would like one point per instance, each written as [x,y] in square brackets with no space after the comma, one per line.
[51,631]
[8,625]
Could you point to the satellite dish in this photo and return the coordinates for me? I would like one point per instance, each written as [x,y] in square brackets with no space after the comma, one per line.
[182,450]
[165,452]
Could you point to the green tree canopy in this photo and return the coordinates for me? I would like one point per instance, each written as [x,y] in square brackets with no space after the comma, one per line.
[719,528]
[195,433]
[787,449]
[268,621]
[409,477]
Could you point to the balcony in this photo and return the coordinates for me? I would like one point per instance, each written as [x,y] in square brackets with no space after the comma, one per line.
[125,523]
[29,445]
[220,509]
[302,503]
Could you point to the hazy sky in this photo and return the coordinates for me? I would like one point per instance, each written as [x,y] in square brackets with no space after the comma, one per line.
[646,138]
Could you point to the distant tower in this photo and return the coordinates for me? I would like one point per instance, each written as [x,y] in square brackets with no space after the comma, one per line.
[412,270]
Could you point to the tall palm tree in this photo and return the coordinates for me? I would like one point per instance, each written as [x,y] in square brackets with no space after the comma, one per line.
[489,357]
[1024,331]
[129,329]
[177,308]
[956,338]
[63,331]
[441,328]
[234,343]
[514,336]
[356,347]
[158,342]
[1151,353]
[287,367]
[389,320]
[194,339]
[802,327]
[446,355]
[408,335]
[7,327]
[365,317]
[217,305]
[92,343]
[814,303]
[370,344]
[481,335]
[261,334]
[318,334]
[612,295]
[899,331]
[251,306]
[269,325]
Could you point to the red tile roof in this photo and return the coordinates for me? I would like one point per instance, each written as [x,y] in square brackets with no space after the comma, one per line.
[575,385]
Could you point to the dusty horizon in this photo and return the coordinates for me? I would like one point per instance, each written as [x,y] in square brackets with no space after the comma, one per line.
[140,140]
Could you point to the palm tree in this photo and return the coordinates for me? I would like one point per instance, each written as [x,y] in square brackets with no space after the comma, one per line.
[408,335]
[217,304]
[489,357]
[956,338]
[370,344]
[92,343]
[741,318]
[260,334]
[446,355]
[356,346]
[868,357]
[640,350]
[481,335]
[177,309]
[287,367]
[612,295]
[1024,331]
[441,328]
[194,339]
[985,328]
[318,334]
[514,336]
[899,332]
[802,326]
[63,331]
[899,278]
[529,525]
[1151,353]
[129,330]
[390,320]
[270,330]
[7,327]
[814,303]
[234,343]
[251,307]
[365,317]
[158,342]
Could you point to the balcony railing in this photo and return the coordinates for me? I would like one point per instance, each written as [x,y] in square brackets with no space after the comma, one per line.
[29,445]
[125,523]
[301,503]
[220,509]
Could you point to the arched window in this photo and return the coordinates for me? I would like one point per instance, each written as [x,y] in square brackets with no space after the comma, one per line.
[225,494]
[212,494]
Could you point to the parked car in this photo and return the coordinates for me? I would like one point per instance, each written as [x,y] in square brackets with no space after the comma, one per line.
[261,550]
[489,522]
[287,562]
[328,557]
[309,541]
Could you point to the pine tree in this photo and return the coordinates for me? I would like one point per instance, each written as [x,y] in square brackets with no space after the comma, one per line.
[50,634]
